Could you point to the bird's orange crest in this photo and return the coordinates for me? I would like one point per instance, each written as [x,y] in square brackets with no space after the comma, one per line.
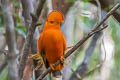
[56,15]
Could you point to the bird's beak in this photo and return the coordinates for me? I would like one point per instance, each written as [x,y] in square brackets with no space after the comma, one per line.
[61,21]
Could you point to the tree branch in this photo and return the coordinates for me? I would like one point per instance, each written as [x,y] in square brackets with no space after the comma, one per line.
[29,38]
[116,15]
[28,8]
[95,30]
[105,4]
[83,67]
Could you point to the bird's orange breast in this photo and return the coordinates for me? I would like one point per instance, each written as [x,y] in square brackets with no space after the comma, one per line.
[53,44]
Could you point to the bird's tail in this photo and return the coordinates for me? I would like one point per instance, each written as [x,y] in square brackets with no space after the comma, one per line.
[56,74]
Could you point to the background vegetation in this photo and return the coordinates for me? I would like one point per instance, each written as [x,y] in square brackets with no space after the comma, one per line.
[80,18]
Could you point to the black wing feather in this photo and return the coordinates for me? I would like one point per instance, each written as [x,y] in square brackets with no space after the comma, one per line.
[44,59]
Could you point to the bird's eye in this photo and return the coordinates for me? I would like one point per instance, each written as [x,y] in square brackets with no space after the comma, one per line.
[51,22]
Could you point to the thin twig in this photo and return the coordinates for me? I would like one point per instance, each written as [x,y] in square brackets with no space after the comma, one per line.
[29,38]
[108,15]
[83,67]
[84,39]
[100,17]
[78,76]
[92,70]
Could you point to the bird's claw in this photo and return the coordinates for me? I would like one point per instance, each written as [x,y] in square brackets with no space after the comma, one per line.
[34,56]
[38,58]
[38,65]
[52,67]
[62,59]
[69,47]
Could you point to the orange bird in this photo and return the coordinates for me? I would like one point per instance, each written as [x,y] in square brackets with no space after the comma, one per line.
[52,43]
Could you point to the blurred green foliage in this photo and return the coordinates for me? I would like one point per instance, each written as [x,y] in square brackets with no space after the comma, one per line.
[95,59]
[4,74]
[1,18]
[88,22]
[71,0]
[20,29]
[86,0]
[115,33]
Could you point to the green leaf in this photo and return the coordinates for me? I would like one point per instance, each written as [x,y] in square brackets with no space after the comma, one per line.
[4,74]
[86,0]
[72,0]
[88,23]
[21,30]
[18,19]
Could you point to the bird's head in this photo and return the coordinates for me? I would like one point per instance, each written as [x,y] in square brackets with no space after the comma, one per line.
[55,17]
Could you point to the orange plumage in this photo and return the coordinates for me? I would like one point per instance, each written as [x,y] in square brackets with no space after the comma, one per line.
[52,43]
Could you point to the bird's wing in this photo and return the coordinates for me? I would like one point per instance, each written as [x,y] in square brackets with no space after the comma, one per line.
[44,59]
[42,51]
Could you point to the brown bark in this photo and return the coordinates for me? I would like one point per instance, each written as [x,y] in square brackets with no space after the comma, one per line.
[10,39]
[106,5]
[28,41]
[61,5]
[27,6]
[28,70]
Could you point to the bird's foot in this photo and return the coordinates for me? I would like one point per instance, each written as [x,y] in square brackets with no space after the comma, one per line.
[62,59]
[34,56]
[39,64]
[38,59]
[52,67]
[69,47]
